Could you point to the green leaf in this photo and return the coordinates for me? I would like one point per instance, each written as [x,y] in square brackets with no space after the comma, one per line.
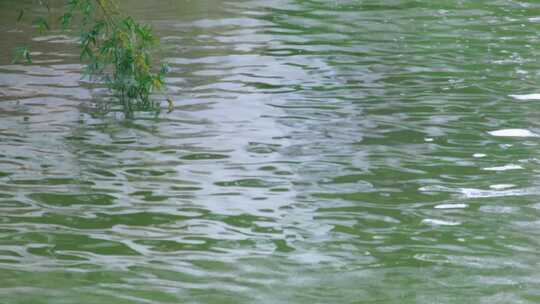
[21,14]
[28,56]
[73,3]
[22,53]
[46,4]
[165,68]
[86,53]
[65,19]
[42,24]
[116,49]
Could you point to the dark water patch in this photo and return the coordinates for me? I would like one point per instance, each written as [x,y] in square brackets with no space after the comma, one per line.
[4,174]
[64,199]
[283,173]
[204,156]
[267,168]
[56,243]
[143,218]
[345,179]
[103,173]
[51,182]
[5,195]
[334,151]
[8,204]
[148,172]
[248,182]
[96,153]
[179,246]
[177,188]
[227,194]
[149,196]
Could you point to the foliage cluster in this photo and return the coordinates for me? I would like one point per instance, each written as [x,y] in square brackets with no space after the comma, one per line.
[116,49]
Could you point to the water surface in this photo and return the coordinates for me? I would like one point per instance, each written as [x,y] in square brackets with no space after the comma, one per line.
[319,152]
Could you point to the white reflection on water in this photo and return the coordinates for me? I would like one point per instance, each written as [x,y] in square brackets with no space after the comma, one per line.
[479,193]
[451,206]
[526,97]
[436,222]
[501,186]
[513,133]
[503,168]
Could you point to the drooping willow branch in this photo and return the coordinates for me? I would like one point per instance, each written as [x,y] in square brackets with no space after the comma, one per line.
[116,49]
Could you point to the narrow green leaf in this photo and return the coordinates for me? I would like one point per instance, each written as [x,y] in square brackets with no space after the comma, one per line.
[65,19]
[41,24]
[28,56]
[21,14]
[22,53]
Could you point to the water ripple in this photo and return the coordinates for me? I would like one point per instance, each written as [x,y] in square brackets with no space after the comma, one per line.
[336,151]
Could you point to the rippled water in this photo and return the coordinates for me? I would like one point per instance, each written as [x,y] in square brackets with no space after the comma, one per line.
[320,152]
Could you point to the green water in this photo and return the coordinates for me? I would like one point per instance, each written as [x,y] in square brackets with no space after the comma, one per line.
[320,152]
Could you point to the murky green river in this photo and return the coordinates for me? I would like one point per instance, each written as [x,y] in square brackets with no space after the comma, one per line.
[320,152]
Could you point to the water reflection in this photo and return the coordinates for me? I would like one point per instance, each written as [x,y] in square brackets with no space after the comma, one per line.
[319,152]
